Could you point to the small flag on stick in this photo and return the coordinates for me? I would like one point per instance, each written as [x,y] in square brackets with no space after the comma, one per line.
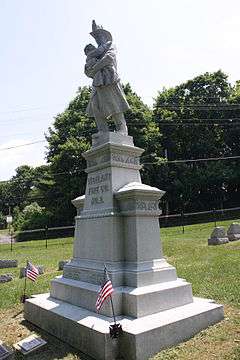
[105,291]
[31,271]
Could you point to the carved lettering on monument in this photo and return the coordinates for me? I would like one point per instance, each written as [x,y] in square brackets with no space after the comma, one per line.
[125,159]
[146,205]
[142,205]
[92,180]
[98,185]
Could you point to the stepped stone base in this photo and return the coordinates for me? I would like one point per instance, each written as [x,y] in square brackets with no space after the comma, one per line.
[142,337]
[128,301]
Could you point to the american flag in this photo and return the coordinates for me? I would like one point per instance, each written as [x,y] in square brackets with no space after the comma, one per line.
[105,291]
[31,272]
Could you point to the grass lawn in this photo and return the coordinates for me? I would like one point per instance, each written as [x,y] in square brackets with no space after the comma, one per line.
[212,270]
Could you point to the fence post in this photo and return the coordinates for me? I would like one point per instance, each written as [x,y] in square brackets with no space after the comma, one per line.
[11,238]
[214,217]
[46,236]
[182,220]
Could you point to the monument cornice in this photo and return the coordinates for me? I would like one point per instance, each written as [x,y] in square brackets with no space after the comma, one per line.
[113,155]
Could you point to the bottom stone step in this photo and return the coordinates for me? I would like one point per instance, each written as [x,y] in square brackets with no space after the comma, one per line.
[141,337]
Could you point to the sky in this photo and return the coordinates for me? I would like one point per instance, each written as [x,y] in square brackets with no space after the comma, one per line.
[160,44]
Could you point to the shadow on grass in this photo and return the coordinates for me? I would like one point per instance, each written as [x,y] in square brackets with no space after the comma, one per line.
[55,348]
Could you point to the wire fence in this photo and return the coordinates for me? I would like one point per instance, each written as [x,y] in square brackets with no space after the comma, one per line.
[63,235]
[183,219]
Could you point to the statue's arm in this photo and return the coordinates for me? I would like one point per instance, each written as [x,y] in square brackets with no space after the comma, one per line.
[88,71]
[105,61]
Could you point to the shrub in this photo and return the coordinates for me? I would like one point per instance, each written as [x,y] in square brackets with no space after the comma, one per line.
[33,216]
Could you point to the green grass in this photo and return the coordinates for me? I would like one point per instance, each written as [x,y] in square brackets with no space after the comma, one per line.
[36,252]
[212,270]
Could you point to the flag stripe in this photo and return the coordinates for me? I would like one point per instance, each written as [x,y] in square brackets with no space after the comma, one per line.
[103,298]
[31,275]
[105,291]
[106,287]
[32,272]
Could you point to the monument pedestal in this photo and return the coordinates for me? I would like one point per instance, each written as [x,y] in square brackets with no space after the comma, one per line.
[117,225]
[142,337]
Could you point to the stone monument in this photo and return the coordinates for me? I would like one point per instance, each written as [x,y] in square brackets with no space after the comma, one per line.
[117,225]
[233,232]
[218,236]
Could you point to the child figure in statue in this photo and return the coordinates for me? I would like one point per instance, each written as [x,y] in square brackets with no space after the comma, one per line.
[94,54]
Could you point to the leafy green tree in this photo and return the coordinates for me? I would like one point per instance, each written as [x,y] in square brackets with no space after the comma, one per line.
[15,191]
[146,135]
[191,118]
[69,137]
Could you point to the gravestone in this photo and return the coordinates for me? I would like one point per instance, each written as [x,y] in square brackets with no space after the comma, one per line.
[117,225]
[30,344]
[4,264]
[218,236]
[233,232]
[6,353]
[6,278]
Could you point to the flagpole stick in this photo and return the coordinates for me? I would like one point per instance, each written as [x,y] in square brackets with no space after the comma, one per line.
[113,312]
[114,317]
[25,285]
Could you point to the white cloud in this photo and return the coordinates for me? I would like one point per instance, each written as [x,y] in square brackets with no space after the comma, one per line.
[32,155]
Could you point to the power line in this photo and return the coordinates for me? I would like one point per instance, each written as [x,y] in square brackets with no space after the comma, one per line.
[160,121]
[77,171]
[194,160]
[166,123]
[163,104]
[30,109]
[199,119]
[44,177]
[181,104]
[234,122]
[22,145]
[11,135]
[170,123]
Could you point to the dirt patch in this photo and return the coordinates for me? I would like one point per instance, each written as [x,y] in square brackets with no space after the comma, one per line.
[14,328]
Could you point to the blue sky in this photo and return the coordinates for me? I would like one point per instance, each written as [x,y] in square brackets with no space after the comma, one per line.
[160,43]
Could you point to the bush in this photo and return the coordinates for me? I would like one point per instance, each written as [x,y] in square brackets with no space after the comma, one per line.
[33,216]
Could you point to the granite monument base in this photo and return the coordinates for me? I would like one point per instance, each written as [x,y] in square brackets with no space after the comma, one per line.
[117,226]
[142,337]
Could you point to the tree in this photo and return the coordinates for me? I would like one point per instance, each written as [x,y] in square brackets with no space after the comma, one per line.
[15,191]
[190,118]
[69,137]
